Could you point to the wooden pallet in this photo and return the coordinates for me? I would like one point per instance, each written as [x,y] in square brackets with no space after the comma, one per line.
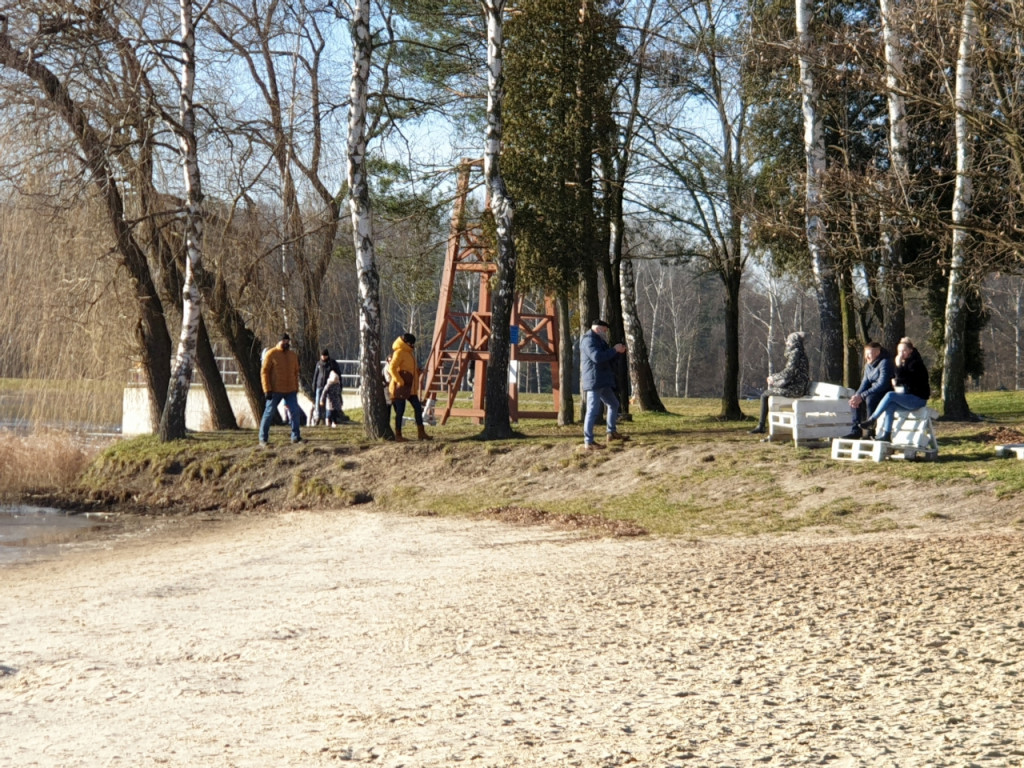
[1010,451]
[877,450]
[859,450]
[910,452]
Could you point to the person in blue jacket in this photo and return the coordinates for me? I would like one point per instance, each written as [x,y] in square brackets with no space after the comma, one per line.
[877,381]
[598,382]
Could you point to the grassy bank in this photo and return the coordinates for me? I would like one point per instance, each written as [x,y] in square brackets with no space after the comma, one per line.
[684,473]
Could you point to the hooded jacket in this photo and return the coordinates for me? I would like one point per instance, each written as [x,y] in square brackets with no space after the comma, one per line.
[402,359]
[795,379]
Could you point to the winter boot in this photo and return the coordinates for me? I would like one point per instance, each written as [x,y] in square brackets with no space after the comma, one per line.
[421,433]
[398,432]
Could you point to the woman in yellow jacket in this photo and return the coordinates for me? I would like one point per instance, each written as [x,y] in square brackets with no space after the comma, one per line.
[405,384]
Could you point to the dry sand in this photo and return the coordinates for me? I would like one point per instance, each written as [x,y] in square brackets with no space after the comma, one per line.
[356,637]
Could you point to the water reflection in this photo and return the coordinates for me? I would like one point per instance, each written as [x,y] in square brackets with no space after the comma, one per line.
[28,531]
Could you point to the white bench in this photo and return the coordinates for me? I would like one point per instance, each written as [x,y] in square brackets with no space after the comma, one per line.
[912,436]
[823,414]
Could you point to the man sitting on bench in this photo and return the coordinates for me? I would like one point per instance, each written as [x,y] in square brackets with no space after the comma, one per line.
[877,381]
[912,388]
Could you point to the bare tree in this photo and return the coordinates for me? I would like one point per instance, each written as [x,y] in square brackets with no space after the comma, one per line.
[641,376]
[709,163]
[151,331]
[375,409]
[954,397]
[172,422]
[890,272]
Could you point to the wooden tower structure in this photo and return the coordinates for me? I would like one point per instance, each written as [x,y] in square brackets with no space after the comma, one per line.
[459,346]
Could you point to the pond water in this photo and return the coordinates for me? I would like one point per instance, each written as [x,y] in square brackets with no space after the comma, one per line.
[28,531]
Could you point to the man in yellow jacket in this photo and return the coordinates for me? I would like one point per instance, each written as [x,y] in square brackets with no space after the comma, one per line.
[280,377]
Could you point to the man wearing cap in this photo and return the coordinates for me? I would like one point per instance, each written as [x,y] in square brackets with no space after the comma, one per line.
[598,381]
[280,377]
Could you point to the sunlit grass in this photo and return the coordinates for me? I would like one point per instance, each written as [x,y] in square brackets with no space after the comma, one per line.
[694,474]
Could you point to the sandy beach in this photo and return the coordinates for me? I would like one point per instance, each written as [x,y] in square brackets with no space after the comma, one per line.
[358,637]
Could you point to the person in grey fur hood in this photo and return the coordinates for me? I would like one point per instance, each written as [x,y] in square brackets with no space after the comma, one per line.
[791,381]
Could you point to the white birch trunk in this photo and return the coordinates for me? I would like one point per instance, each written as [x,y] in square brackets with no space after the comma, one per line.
[825,278]
[375,409]
[954,370]
[172,422]
[642,383]
[1017,335]
[770,341]
[891,262]
[496,419]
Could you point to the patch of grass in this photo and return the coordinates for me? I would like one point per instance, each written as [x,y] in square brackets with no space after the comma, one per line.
[402,498]
[210,468]
[463,504]
[1008,474]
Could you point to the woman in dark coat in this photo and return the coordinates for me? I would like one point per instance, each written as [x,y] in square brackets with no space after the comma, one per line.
[791,381]
[912,388]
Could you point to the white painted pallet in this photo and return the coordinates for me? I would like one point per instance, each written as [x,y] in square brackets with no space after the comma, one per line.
[878,450]
[909,452]
[859,450]
[1010,451]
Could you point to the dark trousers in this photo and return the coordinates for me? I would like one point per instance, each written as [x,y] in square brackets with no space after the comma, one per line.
[859,415]
[764,410]
[417,409]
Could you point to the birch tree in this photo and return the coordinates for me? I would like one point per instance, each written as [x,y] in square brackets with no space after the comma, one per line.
[497,424]
[822,266]
[641,376]
[890,272]
[375,408]
[954,398]
[172,422]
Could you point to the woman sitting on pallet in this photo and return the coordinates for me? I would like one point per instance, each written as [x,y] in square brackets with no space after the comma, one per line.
[912,388]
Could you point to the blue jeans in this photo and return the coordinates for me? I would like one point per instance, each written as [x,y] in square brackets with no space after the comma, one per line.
[273,400]
[320,413]
[896,401]
[595,397]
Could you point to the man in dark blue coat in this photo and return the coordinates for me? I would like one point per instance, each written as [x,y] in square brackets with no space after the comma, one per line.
[598,382]
[877,381]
